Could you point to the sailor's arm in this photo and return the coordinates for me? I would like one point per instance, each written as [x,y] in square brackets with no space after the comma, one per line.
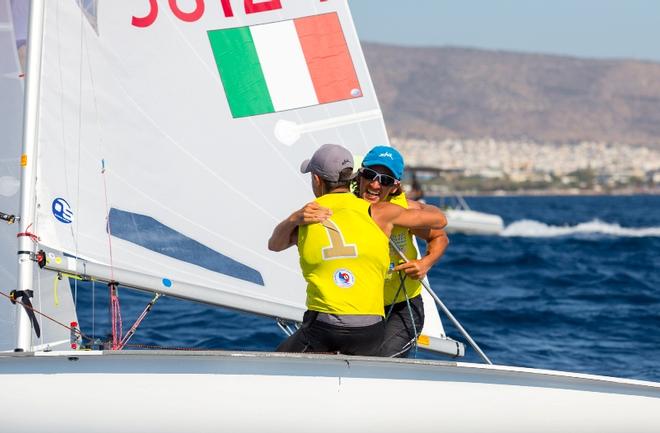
[285,233]
[436,244]
[426,217]
[387,215]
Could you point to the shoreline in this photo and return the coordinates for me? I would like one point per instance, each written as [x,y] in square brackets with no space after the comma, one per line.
[547,193]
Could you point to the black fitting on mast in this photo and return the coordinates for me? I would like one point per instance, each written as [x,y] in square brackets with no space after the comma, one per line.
[10,219]
[40,258]
[25,296]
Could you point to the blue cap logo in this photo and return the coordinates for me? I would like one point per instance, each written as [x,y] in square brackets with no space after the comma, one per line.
[386,156]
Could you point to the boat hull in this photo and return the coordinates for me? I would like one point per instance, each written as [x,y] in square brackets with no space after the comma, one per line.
[473,223]
[267,392]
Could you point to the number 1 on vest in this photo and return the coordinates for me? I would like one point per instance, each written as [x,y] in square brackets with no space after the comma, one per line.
[337,249]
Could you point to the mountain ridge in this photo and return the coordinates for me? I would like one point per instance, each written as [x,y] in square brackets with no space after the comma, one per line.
[436,93]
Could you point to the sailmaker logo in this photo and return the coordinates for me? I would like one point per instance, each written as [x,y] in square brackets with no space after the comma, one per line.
[62,211]
[344,278]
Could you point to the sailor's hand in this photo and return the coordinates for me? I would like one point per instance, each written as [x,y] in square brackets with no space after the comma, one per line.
[312,213]
[414,269]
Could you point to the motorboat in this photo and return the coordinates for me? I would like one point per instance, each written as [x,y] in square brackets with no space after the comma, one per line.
[462,219]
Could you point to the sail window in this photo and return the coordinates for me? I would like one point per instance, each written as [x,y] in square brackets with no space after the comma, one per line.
[155,236]
[90,9]
[20,10]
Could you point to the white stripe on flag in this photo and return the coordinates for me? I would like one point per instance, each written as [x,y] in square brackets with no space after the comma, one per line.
[284,66]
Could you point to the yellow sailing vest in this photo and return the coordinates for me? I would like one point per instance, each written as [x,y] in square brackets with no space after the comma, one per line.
[344,259]
[404,240]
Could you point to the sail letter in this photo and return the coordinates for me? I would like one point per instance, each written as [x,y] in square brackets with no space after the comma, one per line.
[226,8]
[252,7]
[188,16]
[284,65]
[149,19]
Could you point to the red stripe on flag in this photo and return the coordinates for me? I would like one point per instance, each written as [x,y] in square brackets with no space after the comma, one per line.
[328,59]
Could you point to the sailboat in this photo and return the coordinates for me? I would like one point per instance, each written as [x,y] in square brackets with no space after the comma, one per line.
[160,145]
[462,219]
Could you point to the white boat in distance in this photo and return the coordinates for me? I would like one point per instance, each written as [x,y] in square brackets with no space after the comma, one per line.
[141,121]
[462,219]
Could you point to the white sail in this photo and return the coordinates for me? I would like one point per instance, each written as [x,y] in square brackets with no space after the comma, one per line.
[135,123]
[146,120]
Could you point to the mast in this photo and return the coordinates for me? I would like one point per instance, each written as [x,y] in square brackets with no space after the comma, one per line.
[28,167]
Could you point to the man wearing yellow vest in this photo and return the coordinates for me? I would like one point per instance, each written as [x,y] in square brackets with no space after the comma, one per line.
[343,245]
[379,181]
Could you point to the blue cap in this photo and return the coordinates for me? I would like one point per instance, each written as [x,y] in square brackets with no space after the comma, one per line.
[387,157]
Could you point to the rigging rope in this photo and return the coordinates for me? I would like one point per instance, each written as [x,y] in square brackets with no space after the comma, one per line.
[29,234]
[115,316]
[34,310]
[413,341]
[451,317]
[139,320]
[115,309]
[76,333]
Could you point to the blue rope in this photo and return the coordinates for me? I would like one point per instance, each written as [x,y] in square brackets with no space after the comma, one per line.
[402,286]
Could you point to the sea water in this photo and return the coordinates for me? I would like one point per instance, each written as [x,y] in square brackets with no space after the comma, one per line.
[573,283]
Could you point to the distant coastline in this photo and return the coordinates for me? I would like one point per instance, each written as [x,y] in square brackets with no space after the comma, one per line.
[548,193]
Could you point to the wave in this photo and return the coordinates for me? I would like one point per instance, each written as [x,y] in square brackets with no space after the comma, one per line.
[536,229]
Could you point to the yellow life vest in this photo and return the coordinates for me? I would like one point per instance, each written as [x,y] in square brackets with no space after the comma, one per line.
[404,241]
[344,259]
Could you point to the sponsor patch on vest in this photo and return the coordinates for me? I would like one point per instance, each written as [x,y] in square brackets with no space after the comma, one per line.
[344,278]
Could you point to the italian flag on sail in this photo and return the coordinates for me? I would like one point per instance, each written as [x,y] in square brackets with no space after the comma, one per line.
[284,65]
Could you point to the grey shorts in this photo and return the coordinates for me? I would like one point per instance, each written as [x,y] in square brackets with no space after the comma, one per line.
[400,334]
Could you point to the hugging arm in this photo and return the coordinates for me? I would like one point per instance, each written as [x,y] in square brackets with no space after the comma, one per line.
[285,233]
[387,215]
[427,217]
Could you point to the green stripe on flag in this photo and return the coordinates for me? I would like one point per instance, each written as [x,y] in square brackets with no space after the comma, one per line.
[240,72]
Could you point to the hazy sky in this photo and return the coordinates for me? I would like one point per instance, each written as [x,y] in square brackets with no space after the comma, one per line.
[583,28]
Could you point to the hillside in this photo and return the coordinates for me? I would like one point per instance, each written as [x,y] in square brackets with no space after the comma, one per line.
[442,92]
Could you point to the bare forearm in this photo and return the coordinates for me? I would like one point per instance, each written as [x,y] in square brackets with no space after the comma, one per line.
[387,214]
[284,234]
[430,217]
[436,245]
[428,233]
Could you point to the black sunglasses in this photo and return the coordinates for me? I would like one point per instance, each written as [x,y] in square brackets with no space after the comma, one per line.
[383,179]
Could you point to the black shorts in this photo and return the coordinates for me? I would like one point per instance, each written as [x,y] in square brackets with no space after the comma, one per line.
[399,331]
[316,336]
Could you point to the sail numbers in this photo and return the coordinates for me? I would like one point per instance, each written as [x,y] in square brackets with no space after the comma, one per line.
[189,16]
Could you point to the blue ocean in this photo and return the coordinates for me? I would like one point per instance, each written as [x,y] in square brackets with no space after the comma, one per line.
[572,284]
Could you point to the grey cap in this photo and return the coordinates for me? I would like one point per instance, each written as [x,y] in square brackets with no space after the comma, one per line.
[328,162]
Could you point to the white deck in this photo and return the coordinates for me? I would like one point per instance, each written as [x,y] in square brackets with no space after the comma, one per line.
[269,392]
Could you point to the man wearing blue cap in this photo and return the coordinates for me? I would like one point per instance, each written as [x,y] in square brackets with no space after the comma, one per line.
[379,181]
[343,246]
